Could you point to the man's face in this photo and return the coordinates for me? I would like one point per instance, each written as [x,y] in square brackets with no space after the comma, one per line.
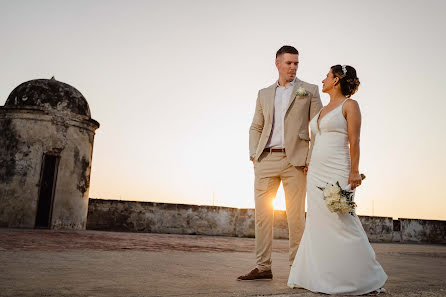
[287,66]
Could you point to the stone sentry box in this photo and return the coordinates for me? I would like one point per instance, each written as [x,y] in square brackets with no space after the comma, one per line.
[46,146]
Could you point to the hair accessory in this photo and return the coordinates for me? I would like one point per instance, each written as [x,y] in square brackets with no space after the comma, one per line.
[344,69]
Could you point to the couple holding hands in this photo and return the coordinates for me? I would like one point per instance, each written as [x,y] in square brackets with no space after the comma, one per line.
[329,252]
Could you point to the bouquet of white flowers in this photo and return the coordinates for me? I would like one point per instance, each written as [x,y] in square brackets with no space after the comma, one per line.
[338,199]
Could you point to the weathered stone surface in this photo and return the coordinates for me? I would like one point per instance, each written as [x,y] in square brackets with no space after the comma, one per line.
[169,218]
[35,127]
[49,94]
[8,141]
[431,231]
[378,229]
[113,215]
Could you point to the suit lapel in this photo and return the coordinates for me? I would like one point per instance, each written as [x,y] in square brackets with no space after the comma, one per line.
[297,85]
[270,95]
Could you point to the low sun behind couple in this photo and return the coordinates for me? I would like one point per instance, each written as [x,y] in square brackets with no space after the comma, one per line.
[329,252]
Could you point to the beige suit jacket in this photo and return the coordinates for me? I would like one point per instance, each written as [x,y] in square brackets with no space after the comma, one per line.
[301,109]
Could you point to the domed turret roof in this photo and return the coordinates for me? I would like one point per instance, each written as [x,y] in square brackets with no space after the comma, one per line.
[49,93]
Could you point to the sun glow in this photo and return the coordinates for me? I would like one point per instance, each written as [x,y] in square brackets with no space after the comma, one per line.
[279,202]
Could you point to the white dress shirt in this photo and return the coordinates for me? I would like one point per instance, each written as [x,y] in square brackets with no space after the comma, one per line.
[281,100]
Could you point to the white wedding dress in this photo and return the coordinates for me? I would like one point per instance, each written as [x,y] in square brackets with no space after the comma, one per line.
[334,256]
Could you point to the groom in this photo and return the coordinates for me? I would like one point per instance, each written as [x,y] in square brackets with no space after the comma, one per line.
[279,150]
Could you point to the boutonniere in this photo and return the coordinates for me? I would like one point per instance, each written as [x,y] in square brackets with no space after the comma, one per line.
[302,92]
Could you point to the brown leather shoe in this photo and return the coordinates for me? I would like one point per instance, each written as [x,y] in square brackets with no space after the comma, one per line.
[256,274]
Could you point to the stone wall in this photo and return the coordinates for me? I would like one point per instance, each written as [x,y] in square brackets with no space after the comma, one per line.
[132,216]
[169,218]
[431,231]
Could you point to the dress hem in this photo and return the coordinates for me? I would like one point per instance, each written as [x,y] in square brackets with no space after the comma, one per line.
[296,286]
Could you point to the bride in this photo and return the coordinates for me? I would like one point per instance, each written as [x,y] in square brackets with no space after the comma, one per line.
[335,256]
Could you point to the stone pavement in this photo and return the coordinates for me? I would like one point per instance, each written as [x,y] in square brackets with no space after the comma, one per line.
[94,263]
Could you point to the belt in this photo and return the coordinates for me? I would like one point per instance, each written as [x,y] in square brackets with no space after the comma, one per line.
[273,150]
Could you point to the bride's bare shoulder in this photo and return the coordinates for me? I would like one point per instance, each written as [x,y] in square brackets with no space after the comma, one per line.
[350,106]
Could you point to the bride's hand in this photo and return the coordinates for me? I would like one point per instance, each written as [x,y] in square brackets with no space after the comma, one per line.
[354,179]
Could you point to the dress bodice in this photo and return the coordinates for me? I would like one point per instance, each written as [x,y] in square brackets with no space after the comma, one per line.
[331,146]
[332,122]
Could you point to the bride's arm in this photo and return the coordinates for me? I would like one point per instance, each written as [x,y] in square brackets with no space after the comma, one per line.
[353,117]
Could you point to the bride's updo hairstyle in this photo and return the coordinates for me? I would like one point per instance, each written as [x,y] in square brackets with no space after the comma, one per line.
[347,78]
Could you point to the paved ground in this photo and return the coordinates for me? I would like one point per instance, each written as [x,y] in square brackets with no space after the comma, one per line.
[92,263]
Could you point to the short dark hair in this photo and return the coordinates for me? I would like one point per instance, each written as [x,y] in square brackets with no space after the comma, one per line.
[349,81]
[287,49]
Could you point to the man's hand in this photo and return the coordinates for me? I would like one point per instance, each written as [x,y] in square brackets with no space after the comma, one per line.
[306,168]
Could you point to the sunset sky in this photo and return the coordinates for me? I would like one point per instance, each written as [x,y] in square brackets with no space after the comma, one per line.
[174,83]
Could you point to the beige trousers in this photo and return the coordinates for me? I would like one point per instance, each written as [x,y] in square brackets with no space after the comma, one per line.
[270,169]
